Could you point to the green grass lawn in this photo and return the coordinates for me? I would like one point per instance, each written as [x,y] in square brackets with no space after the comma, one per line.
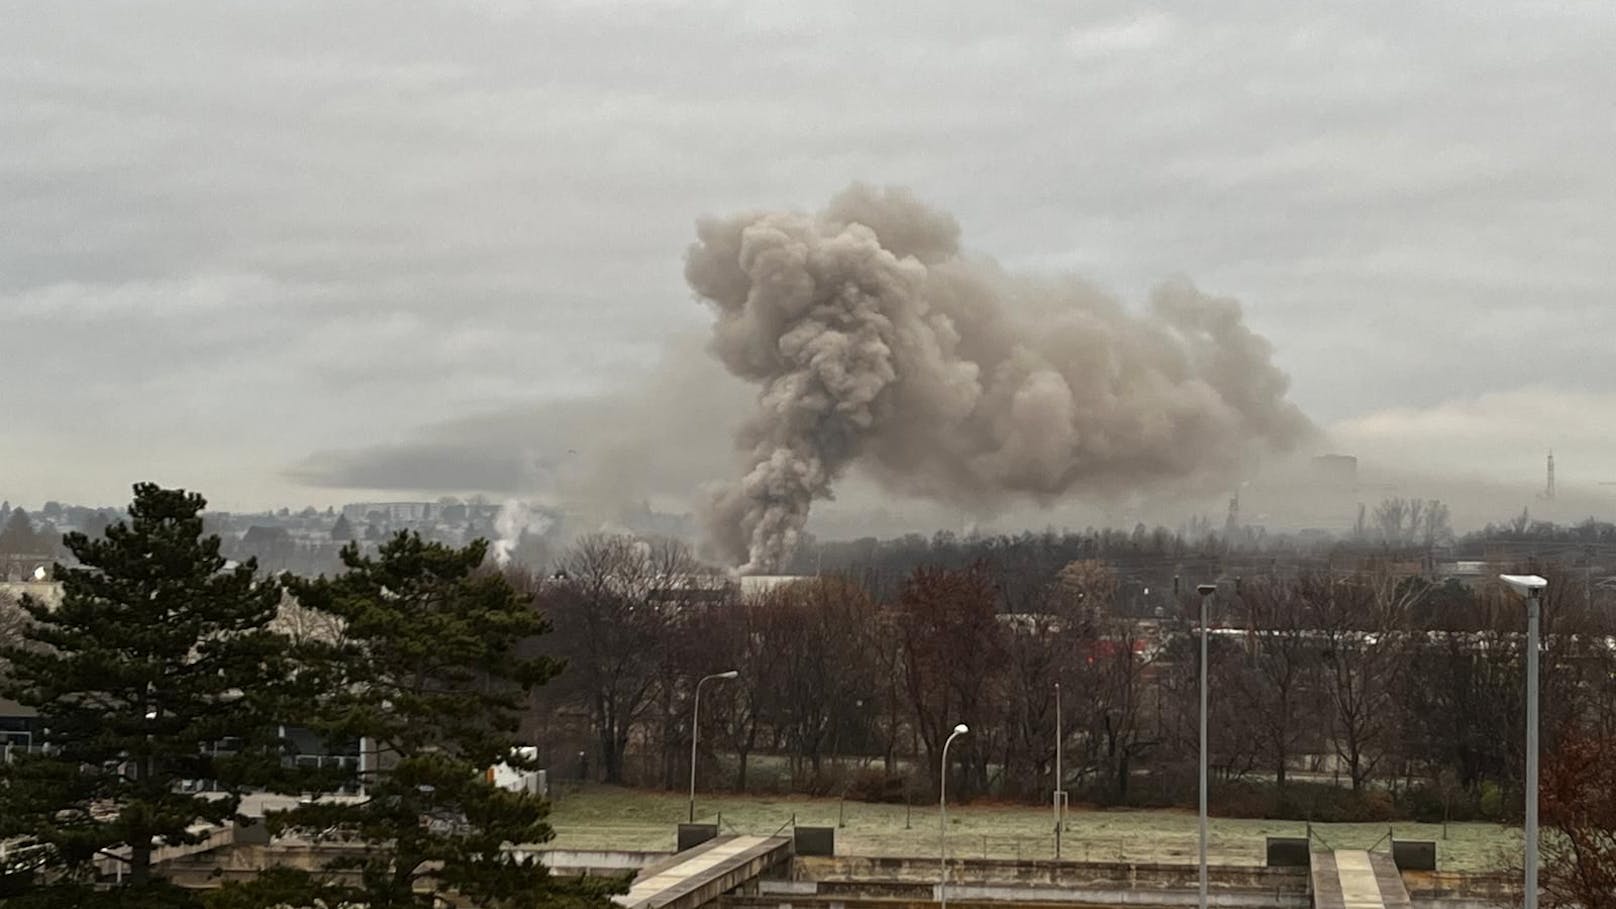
[601,817]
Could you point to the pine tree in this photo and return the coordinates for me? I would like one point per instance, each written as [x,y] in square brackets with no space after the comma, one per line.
[157,656]
[431,670]
[18,535]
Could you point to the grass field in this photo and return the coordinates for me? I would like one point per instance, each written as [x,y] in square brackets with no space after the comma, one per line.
[600,817]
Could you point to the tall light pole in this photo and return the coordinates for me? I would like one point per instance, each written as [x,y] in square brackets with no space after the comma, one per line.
[695,732]
[942,830]
[1060,781]
[1207,591]
[1531,587]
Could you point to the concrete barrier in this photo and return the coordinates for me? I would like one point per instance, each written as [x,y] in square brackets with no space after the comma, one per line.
[1288,852]
[597,862]
[907,878]
[816,840]
[1414,855]
[693,835]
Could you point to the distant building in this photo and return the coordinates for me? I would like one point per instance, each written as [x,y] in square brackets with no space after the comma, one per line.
[16,728]
[1335,472]
[392,512]
[754,584]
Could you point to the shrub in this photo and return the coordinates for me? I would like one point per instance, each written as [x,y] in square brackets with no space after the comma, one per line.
[872,784]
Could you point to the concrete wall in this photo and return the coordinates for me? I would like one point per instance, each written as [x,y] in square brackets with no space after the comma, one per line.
[857,882]
[1046,873]
[598,862]
[1448,890]
[846,882]
[1044,898]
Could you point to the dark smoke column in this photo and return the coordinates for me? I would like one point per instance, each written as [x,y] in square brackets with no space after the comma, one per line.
[872,340]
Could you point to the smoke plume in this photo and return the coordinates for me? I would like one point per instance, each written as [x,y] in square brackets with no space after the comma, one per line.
[516,517]
[874,341]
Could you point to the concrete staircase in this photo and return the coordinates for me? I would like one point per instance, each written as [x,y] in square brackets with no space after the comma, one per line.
[1355,879]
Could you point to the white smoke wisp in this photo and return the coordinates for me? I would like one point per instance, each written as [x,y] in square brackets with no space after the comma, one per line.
[514,518]
[874,341]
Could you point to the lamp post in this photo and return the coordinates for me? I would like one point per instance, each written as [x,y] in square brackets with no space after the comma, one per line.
[1060,782]
[1207,591]
[942,830]
[695,732]
[1531,587]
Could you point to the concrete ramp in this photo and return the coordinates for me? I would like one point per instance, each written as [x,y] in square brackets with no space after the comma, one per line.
[699,876]
[1354,879]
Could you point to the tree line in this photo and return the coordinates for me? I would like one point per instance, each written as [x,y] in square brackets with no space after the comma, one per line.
[1370,691]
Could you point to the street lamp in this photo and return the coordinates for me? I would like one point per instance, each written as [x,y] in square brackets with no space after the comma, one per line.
[1207,591]
[942,804]
[1531,587]
[1060,791]
[695,732]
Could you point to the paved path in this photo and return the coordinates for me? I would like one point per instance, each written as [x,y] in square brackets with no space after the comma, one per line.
[716,865]
[1354,879]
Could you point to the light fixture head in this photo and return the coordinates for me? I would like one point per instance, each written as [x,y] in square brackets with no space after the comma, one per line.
[732,674]
[961,729]
[1206,590]
[1527,585]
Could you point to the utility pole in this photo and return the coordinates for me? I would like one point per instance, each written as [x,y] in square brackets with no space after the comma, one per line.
[942,819]
[1531,587]
[1207,591]
[1060,781]
[695,731]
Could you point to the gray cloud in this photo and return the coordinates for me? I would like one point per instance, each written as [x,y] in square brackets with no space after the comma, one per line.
[658,437]
[235,236]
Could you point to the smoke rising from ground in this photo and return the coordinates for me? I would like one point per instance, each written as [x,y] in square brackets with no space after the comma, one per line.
[872,340]
[515,518]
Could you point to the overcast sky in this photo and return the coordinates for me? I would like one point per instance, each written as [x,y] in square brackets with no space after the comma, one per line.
[235,241]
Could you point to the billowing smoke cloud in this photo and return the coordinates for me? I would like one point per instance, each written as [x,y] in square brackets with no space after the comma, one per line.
[516,517]
[874,341]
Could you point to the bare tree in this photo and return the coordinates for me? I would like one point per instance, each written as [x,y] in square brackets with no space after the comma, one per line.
[1119,710]
[1436,529]
[1089,586]
[888,685]
[1388,520]
[1034,660]
[1579,804]
[1117,720]
[817,635]
[1363,624]
[611,625]
[302,625]
[953,648]
[734,633]
[1278,684]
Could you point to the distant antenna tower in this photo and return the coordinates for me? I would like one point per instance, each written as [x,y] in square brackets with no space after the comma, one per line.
[1548,490]
[1233,523]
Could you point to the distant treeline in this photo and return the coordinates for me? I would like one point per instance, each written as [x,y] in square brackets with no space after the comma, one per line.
[1402,692]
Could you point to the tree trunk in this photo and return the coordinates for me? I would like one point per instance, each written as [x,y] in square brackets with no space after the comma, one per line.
[140,840]
[611,758]
[139,859]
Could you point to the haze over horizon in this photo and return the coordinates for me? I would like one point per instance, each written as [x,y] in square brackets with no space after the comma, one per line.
[309,253]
